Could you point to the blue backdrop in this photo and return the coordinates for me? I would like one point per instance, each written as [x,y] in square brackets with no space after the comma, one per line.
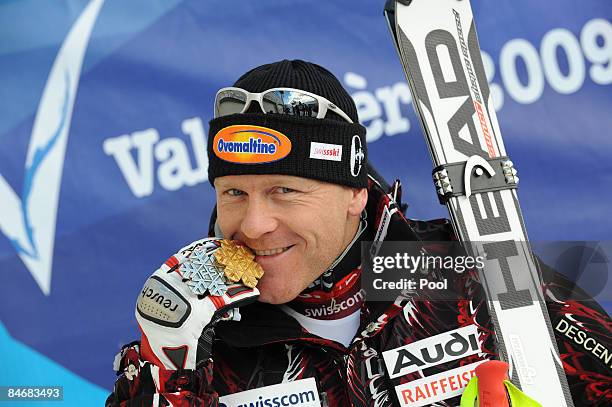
[103,120]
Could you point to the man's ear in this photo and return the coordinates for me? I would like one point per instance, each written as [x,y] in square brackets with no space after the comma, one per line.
[359,199]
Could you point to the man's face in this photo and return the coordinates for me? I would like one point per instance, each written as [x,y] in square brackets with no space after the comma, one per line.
[296,226]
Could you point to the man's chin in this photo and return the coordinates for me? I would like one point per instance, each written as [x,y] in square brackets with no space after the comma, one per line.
[272,301]
[269,295]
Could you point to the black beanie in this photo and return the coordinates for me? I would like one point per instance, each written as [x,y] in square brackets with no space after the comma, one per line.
[328,149]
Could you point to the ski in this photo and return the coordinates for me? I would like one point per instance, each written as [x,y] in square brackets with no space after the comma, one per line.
[438,47]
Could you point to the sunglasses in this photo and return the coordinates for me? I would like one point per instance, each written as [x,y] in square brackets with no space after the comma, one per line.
[287,101]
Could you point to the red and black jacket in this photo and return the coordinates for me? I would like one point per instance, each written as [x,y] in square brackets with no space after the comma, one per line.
[269,347]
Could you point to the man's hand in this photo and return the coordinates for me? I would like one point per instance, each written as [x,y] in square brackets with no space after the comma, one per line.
[176,312]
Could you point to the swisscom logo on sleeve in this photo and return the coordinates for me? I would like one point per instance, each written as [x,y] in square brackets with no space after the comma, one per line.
[247,144]
[442,348]
[299,393]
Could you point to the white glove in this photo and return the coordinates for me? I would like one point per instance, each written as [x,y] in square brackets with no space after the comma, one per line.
[175,311]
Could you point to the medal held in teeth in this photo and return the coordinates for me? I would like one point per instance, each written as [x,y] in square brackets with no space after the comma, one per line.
[212,264]
[239,263]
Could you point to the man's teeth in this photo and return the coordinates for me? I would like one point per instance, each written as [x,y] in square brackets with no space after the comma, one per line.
[271,252]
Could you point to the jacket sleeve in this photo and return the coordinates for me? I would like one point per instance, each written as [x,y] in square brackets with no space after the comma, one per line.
[583,331]
[141,383]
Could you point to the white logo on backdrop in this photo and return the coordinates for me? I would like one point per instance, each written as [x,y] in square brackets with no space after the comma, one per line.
[29,222]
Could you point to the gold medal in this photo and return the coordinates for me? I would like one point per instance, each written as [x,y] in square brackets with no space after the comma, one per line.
[239,263]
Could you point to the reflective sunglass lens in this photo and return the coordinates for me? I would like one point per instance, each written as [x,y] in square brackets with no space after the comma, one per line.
[230,102]
[291,103]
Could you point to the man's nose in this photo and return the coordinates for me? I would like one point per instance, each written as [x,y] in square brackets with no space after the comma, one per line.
[259,218]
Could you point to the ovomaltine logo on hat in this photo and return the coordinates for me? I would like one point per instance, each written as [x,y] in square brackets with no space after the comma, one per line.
[247,144]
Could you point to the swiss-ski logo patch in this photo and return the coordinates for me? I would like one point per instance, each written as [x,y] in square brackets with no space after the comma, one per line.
[324,151]
[442,348]
[248,144]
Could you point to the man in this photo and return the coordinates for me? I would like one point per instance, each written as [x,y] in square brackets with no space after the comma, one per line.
[298,192]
